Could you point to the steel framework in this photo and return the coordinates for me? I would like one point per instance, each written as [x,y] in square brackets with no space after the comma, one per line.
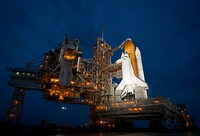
[64,76]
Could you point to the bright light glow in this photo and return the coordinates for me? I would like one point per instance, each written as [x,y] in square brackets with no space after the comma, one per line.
[64,108]
[135,109]
[72,82]
[54,80]
[95,87]
[16,102]
[69,57]
[87,83]
[187,124]
[156,101]
[61,97]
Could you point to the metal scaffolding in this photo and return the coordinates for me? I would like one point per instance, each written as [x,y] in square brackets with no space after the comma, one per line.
[64,76]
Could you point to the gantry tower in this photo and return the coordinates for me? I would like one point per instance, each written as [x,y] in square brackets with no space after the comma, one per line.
[62,75]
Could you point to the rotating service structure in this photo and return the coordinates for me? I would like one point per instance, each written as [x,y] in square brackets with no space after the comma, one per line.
[64,76]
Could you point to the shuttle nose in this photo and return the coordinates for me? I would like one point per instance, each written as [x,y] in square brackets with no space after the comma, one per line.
[128,39]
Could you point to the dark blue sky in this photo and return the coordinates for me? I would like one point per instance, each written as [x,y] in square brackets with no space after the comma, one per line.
[166,31]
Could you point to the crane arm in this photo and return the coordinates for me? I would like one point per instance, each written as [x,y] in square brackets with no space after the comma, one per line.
[118,47]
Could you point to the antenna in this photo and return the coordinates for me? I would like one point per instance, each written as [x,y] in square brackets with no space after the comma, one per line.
[102,32]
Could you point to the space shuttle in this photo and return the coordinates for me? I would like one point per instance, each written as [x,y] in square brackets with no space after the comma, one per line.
[132,85]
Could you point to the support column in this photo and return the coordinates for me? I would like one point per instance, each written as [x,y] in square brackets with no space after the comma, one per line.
[176,123]
[13,112]
[92,117]
[167,123]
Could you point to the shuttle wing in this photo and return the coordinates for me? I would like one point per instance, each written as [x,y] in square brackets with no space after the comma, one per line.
[141,83]
[120,86]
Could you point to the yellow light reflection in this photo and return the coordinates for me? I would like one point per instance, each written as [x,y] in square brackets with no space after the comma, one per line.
[69,55]
[54,80]
[73,82]
[61,97]
[87,83]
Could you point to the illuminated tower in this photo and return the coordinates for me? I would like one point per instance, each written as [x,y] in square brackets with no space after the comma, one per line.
[102,59]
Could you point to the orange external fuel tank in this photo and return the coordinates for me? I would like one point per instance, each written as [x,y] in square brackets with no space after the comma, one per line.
[130,49]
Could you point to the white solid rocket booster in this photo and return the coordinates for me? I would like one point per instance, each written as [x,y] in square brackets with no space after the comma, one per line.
[139,64]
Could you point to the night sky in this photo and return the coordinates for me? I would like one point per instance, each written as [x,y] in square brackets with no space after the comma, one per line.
[167,33]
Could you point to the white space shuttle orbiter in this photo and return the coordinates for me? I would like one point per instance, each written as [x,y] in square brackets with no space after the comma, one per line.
[133,83]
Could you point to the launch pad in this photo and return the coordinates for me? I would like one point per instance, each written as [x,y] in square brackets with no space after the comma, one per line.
[62,75]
